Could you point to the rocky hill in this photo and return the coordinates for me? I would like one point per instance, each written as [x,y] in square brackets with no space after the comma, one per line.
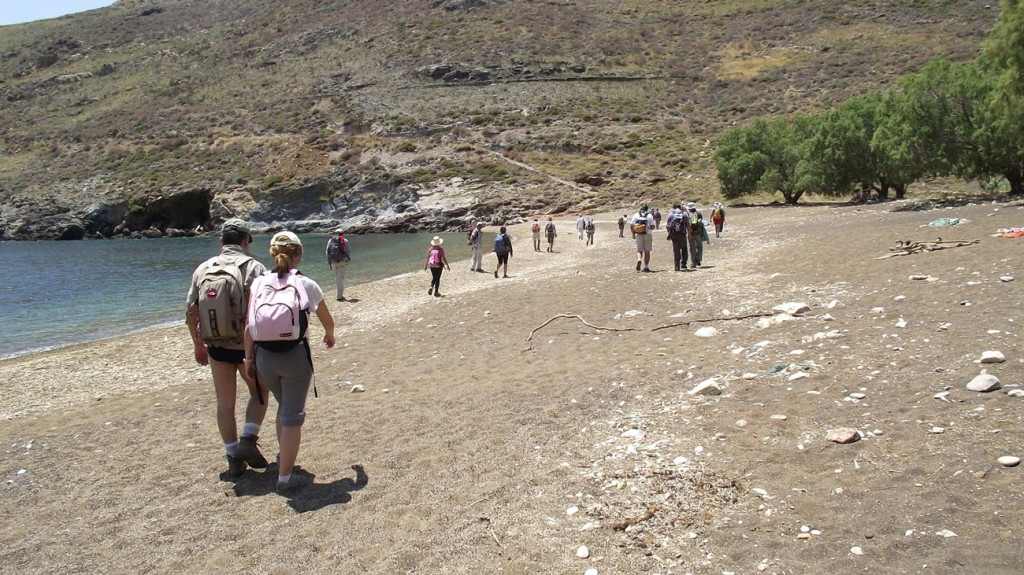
[156,117]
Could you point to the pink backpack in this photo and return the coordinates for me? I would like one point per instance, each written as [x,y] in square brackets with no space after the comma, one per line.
[278,311]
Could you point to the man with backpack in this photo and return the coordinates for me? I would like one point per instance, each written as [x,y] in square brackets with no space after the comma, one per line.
[502,249]
[535,231]
[338,258]
[590,231]
[679,234]
[642,228]
[698,235]
[215,315]
[476,245]
[622,225]
[549,231]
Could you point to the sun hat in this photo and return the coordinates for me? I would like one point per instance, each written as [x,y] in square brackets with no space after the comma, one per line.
[549,218]
[285,239]
[479,224]
[438,240]
[691,206]
[235,225]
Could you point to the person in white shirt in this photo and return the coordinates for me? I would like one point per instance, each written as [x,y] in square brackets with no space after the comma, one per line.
[642,228]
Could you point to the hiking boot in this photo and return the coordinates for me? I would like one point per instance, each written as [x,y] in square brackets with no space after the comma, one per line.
[295,482]
[495,274]
[236,467]
[430,291]
[249,453]
[638,264]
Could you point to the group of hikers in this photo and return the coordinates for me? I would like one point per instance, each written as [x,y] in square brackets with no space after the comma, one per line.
[249,321]
[686,230]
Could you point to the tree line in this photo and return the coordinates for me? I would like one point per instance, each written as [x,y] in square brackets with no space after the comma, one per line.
[949,119]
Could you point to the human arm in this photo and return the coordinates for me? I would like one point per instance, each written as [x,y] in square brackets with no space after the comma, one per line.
[198,347]
[249,363]
[324,315]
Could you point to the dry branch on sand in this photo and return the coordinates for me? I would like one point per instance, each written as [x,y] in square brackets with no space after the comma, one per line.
[907,247]
[676,324]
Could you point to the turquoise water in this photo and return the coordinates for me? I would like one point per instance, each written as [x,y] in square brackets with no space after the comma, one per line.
[64,293]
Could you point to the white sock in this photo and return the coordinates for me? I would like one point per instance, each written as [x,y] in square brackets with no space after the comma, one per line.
[284,478]
[231,448]
[251,429]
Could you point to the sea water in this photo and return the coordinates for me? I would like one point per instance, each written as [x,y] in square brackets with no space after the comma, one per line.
[64,293]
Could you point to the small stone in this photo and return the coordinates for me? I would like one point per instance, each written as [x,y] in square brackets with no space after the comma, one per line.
[799,375]
[804,536]
[779,417]
[590,571]
[1015,393]
[572,510]
[945,533]
[706,332]
[706,387]
[792,308]
[749,375]
[938,430]
[1009,461]
[842,435]
[992,356]
[1006,278]
[741,423]
[856,550]
[984,383]
[583,552]
[858,395]
[357,389]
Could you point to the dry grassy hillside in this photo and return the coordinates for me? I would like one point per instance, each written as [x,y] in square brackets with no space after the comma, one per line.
[147,99]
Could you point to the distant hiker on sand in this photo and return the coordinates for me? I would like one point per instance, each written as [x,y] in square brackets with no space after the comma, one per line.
[277,352]
[590,232]
[549,231]
[535,231]
[622,225]
[679,234]
[642,226]
[718,218]
[437,262]
[502,249]
[581,225]
[215,316]
[338,257]
[698,235]
[657,218]
[476,243]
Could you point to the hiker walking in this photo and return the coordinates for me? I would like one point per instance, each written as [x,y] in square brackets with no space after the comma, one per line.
[215,316]
[590,231]
[657,218]
[502,249]
[476,243]
[437,262]
[277,351]
[641,227]
[679,234]
[622,225]
[718,218]
[581,225]
[549,231]
[338,257]
[698,235]
[535,231]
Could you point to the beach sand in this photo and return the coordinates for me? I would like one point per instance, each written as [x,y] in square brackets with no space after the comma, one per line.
[496,436]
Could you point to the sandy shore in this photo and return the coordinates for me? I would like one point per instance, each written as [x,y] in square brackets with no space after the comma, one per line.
[513,421]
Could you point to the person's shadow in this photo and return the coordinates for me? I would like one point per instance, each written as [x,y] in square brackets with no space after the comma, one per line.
[311,497]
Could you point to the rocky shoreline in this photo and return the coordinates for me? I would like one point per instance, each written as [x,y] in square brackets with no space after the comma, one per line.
[314,207]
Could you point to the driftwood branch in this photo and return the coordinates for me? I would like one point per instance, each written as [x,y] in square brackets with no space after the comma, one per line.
[907,247]
[677,324]
[623,524]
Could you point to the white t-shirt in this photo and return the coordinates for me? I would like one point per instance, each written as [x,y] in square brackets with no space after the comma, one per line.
[647,220]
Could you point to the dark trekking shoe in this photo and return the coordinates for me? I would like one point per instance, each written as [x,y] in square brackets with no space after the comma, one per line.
[250,453]
[236,467]
[297,481]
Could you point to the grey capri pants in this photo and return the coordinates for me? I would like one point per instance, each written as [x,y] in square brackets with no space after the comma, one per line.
[287,374]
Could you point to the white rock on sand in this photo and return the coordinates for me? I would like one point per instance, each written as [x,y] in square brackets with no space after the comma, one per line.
[984,383]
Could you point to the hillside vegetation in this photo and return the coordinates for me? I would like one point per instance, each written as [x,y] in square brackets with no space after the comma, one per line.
[173,114]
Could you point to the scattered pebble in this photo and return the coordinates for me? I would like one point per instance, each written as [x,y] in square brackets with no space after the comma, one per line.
[945,533]
[590,571]
[843,435]
[1009,460]
[938,430]
[1006,278]
[792,308]
[779,417]
[856,550]
[583,552]
[858,395]
[357,389]
[706,332]
[984,383]
[992,356]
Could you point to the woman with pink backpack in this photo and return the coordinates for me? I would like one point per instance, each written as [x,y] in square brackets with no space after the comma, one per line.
[437,262]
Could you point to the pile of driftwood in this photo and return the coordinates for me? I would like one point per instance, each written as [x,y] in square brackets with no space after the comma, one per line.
[907,247]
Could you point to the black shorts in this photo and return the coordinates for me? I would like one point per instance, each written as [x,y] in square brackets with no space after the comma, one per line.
[235,356]
[502,259]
